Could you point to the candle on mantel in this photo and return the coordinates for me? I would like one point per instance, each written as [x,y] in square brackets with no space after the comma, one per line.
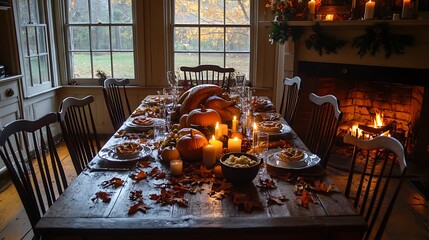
[234,124]
[223,129]
[312,6]
[407,9]
[234,144]
[369,10]
[217,132]
[209,155]
[176,167]
[218,146]
[329,17]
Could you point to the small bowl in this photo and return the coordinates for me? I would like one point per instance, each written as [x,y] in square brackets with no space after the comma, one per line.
[239,175]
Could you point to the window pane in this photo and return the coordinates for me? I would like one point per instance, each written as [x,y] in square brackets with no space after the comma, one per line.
[100,38]
[237,12]
[78,11]
[212,11]
[44,68]
[35,74]
[122,11]
[186,39]
[100,11]
[27,74]
[122,38]
[123,65]
[34,16]
[101,61]
[185,59]
[186,12]
[80,65]
[238,39]
[79,38]
[23,11]
[41,40]
[31,40]
[212,39]
[212,58]
[239,61]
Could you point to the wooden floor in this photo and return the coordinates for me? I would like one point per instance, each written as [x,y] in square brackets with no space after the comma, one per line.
[409,220]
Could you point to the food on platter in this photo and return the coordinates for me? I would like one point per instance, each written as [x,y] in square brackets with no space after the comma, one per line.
[128,149]
[142,121]
[270,126]
[138,112]
[226,109]
[193,97]
[291,154]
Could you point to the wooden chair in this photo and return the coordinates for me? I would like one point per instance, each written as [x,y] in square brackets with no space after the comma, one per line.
[290,98]
[115,95]
[323,126]
[374,192]
[79,130]
[204,74]
[29,153]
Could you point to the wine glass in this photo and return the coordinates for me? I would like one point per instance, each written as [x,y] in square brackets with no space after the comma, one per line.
[261,148]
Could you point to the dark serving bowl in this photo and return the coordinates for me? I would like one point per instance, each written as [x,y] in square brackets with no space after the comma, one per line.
[239,175]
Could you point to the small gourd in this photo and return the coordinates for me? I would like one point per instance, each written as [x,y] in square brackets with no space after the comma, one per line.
[170,153]
[190,146]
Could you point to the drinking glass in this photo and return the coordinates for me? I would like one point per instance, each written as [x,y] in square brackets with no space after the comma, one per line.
[261,148]
[159,131]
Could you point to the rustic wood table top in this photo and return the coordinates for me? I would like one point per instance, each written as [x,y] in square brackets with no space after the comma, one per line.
[129,199]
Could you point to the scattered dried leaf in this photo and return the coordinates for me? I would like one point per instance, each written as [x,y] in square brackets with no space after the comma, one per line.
[277,200]
[246,202]
[266,184]
[137,194]
[104,196]
[114,182]
[139,206]
[139,176]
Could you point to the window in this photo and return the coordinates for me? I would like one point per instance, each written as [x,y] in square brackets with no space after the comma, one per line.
[212,32]
[35,49]
[100,39]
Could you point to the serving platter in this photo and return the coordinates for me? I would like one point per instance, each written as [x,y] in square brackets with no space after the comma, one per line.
[109,153]
[309,160]
[129,123]
[284,130]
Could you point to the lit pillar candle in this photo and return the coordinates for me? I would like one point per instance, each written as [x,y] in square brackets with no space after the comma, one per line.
[255,132]
[209,156]
[329,17]
[407,9]
[223,129]
[312,6]
[234,124]
[218,146]
[369,10]
[176,167]
[234,144]
[218,132]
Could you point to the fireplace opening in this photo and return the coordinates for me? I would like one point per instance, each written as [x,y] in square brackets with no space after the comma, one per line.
[374,101]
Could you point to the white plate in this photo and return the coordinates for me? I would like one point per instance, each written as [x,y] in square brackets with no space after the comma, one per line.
[109,153]
[129,123]
[308,160]
[284,130]
[153,101]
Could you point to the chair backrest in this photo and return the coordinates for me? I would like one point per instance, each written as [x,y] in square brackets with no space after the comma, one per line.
[374,192]
[116,98]
[323,126]
[212,74]
[290,98]
[29,153]
[79,130]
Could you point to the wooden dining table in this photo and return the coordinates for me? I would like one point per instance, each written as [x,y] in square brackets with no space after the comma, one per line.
[141,200]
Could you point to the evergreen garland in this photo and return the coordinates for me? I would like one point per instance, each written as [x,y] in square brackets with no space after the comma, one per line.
[378,36]
[323,42]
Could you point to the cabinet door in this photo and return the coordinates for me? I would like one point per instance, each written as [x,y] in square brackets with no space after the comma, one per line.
[8,114]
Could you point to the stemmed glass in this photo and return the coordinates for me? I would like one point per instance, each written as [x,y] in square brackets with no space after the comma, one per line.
[173,81]
[261,148]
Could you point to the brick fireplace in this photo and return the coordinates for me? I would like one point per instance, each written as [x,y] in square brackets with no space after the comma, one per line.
[396,93]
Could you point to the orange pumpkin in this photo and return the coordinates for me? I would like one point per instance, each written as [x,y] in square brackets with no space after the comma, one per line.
[187,130]
[170,153]
[182,120]
[203,117]
[190,146]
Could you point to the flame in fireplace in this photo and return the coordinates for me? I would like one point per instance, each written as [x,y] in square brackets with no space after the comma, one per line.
[356,131]
[378,121]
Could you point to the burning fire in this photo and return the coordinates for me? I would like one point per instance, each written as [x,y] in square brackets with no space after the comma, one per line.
[356,131]
[378,121]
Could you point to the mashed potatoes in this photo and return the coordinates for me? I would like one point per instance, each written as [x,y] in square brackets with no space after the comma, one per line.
[240,162]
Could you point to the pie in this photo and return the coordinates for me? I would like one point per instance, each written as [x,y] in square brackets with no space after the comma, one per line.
[291,154]
[128,149]
[142,121]
[270,126]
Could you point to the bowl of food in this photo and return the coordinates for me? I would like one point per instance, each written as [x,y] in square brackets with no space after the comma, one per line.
[239,168]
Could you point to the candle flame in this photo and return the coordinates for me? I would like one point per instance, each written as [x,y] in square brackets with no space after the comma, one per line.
[235,138]
[254,126]
[235,117]
[217,124]
[213,137]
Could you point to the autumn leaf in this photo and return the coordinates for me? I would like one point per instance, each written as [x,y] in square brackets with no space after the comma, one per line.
[266,184]
[246,202]
[305,198]
[139,206]
[134,195]
[277,200]
[104,196]
[143,164]
[219,195]
[139,176]
[114,182]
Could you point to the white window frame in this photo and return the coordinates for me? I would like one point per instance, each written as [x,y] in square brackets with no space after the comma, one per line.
[67,51]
